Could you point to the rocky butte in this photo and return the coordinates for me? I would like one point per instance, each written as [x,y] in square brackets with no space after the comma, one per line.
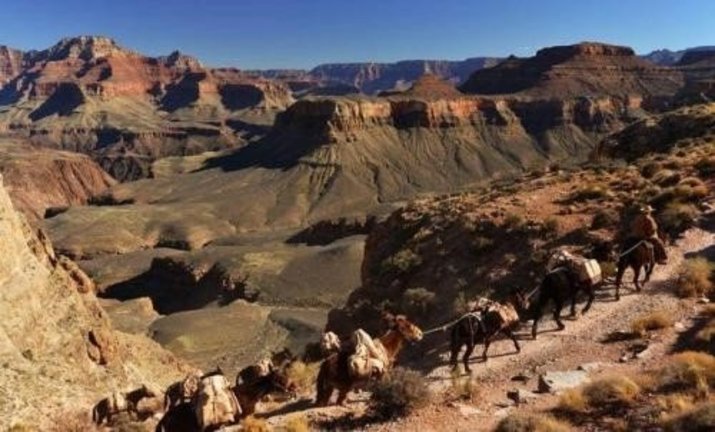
[90,95]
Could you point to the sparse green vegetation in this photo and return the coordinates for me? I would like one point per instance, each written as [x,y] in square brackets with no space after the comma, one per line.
[402,392]
[418,299]
[403,261]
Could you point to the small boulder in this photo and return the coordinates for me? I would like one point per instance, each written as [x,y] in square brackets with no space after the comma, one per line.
[552,382]
[521,396]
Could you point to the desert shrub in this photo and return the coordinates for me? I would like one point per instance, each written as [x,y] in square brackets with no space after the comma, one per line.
[513,221]
[694,278]
[653,321]
[480,243]
[298,423]
[692,182]
[590,192]
[550,227]
[418,299]
[666,178]
[677,217]
[706,166]
[402,392]
[650,169]
[603,219]
[252,424]
[600,395]
[402,261]
[532,422]
[701,418]
[303,375]
[464,387]
[689,370]
[78,422]
[708,311]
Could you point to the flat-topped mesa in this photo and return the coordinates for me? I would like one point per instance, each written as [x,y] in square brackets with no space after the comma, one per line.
[585,69]
[559,54]
[338,118]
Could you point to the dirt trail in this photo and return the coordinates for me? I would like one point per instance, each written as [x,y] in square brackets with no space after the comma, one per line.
[580,343]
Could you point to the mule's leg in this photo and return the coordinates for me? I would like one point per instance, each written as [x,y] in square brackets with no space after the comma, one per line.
[649,271]
[467,355]
[510,333]
[342,395]
[487,342]
[557,313]
[591,295]
[636,276]
[535,325]
[454,355]
[619,278]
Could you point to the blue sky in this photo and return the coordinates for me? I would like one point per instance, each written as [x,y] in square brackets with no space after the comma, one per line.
[304,33]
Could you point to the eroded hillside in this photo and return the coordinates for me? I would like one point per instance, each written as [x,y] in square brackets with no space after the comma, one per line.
[58,349]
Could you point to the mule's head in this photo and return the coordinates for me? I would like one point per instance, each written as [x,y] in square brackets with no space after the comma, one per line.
[280,382]
[405,327]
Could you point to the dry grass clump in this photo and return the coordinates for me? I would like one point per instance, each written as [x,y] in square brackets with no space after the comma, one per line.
[303,375]
[252,424]
[591,192]
[694,278]
[678,217]
[600,395]
[653,321]
[464,387]
[401,393]
[73,422]
[706,166]
[532,422]
[700,418]
[650,169]
[688,371]
[665,178]
[297,423]
[604,219]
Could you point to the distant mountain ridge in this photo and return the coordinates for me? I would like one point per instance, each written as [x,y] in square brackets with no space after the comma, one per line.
[666,57]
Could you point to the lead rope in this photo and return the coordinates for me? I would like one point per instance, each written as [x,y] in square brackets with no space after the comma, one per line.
[631,249]
[451,323]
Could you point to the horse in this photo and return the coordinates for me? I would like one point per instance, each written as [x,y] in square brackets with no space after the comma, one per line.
[476,326]
[636,254]
[335,373]
[558,286]
[249,393]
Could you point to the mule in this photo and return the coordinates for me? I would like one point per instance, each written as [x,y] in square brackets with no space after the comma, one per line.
[475,327]
[559,286]
[249,393]
[637,254]
[334,373]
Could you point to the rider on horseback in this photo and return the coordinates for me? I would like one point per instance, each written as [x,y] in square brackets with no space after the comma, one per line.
[644,227]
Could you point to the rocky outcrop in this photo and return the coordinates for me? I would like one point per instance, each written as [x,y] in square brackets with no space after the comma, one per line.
[56,344]
[372,78]
[40,179]
[125,109]
[585,69]
[11,63]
